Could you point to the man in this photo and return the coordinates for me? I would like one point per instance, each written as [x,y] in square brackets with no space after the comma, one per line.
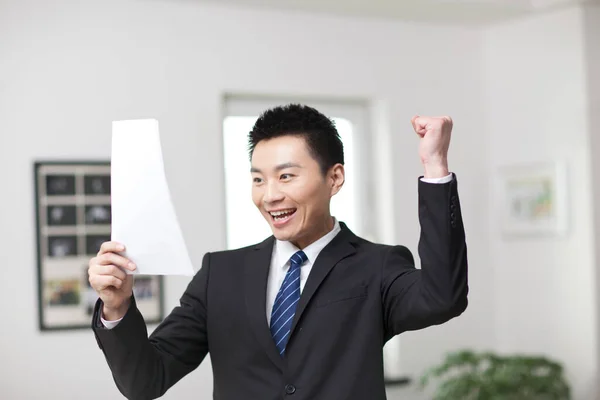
[304,314]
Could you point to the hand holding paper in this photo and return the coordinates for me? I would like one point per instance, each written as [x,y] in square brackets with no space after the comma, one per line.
[143,216]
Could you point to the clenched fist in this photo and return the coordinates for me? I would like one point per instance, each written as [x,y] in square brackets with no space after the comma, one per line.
[108,278]
[435,135]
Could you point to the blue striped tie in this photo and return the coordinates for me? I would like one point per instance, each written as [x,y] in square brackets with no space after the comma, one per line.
[286,301]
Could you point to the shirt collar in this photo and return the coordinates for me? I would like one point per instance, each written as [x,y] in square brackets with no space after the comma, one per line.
[284,250]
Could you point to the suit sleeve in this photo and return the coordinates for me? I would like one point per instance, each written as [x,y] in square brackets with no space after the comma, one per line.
[146,367]
[417,298]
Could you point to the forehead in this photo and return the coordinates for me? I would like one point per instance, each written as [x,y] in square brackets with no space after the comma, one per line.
[282,149]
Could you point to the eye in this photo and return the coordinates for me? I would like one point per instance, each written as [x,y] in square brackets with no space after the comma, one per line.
[285,177]
[257,180]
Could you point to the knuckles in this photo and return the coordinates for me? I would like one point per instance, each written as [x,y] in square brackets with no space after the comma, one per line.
[442,123]
[436,122]
[94,282]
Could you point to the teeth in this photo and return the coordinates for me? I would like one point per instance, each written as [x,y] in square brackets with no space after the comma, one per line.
[279,213]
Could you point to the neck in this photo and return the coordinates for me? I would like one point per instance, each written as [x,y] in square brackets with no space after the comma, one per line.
[317,233]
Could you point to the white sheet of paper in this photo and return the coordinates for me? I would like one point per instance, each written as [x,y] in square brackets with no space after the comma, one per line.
[143,216]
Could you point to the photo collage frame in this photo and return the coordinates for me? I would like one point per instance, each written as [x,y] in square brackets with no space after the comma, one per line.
[73,218]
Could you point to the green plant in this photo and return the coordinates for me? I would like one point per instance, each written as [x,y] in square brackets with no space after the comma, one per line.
[467,375]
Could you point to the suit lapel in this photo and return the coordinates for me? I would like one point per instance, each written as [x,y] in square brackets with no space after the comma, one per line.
[256,275]
[339,248]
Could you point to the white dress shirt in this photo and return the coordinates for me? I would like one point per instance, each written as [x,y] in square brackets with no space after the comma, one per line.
[280,261]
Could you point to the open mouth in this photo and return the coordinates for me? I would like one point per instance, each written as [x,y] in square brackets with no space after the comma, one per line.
[282,216]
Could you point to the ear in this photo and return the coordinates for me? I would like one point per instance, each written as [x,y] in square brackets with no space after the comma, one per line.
[337,177]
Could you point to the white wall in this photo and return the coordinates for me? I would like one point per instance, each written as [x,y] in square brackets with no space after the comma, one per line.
[69,68]
[592,38]
[537,110]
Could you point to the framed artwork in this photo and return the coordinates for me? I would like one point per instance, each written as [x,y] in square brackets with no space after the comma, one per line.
[73,218]
[533,199]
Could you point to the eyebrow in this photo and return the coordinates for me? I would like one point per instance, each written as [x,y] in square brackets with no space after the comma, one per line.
[279,167]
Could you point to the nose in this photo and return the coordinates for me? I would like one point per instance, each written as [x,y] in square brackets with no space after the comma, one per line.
[272,193]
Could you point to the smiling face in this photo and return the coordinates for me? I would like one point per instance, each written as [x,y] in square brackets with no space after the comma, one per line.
[291,191]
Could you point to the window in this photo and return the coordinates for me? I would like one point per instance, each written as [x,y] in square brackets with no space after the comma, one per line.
[245,224]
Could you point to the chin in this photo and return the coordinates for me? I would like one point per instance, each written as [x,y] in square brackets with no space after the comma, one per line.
[281,234]
[287,234]
[283,230]
[283,238]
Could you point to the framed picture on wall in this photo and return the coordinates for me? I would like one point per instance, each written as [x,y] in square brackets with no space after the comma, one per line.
[533,199]
[73,218]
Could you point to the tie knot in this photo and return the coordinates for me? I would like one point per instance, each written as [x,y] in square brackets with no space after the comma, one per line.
[298,259]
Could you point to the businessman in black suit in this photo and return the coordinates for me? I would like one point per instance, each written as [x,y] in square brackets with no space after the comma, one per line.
[305,314]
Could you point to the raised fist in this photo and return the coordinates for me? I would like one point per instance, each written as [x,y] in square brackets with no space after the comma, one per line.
[435,133]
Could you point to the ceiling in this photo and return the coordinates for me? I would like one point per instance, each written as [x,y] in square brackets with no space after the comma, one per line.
[465,12]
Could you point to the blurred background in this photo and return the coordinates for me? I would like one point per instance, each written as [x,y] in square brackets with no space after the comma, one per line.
[521,79]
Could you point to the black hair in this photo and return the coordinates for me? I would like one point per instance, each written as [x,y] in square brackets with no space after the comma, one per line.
[319,132]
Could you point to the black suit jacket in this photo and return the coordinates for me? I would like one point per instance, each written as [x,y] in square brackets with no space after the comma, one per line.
[357,296]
